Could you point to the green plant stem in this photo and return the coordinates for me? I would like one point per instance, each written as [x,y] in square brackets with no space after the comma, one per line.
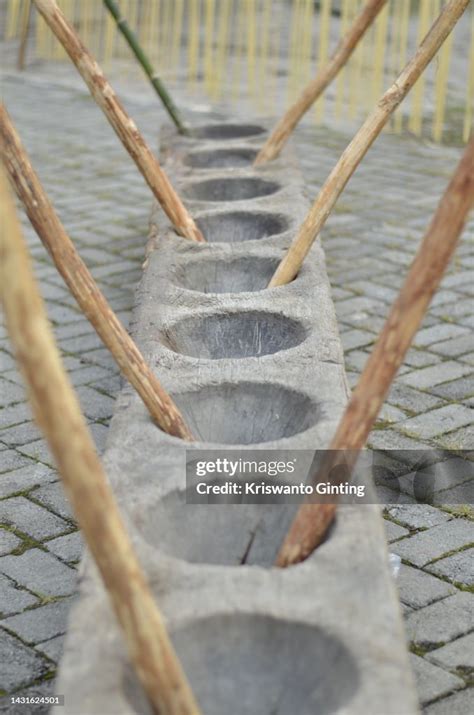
[141,56]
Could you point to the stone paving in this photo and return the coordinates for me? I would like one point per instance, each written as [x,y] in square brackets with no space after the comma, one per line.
[370,241]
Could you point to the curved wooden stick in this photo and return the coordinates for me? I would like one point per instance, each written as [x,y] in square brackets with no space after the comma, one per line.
[123,125]
[363,140]
[81,284]
[58,414]
[323,79]
[312,520]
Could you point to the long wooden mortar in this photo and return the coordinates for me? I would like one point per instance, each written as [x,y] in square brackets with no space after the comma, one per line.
[123,125]
[57,411]
[312,520]
[363,140]
[282,131]
[81,284]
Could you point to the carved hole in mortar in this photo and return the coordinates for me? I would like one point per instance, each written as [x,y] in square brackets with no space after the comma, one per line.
[239,275]
[221,158]
[238,226]
[228,131]
[234,335]
[234,189]
[218,532]
[246,412]
[243,663]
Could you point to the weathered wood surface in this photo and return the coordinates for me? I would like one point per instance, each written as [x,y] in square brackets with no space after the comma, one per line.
[363,140]
[123,125]
[58,414]
[312,520]
[81,284]
[280,135]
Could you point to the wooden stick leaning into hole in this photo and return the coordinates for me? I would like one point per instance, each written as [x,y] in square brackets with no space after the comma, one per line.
[363,140]
[123,125]
[312,520]
[81,284]
[57,411]
[140,54]
[281,133]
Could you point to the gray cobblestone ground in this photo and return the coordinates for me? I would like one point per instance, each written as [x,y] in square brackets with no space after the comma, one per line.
[370,241]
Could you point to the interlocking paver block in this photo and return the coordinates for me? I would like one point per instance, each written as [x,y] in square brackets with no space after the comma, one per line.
[444,419]
[433,682]
[457,390]
[11,392]
[8,541]
[25,478]
[459,703]
[13,599]
[11,459]
[458,654]
[40,572]
[409,398]
[437,374]
[95,405]
[394,531]
[455,347]
[20,434]
[442,621]
[458,567]
[53,497]
[428,545]
[418,589]
[30,518]
[438,333]
[418,516]
[52,648]
[20,665]
[69,548]
[40,624]
[38,451]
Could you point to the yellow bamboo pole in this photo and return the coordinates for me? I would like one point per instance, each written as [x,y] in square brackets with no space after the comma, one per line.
[123,125]
[416,116]
[341,77]
[57,412]
[225,10]
[326,74]
[25,31]
[323,50]
[363,140]
[441,88]
[208,44]
[193,44]
[380,42]
[402,52]
[177,32]
[470,86]
[13,17]
[356,82]
[251,46]
[312,520]
[81,284]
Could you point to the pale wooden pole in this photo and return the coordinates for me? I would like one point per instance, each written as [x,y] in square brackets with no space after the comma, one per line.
[57,412]
[323,79]
[363,140]
[312,520]
[81,284]
[123,125]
